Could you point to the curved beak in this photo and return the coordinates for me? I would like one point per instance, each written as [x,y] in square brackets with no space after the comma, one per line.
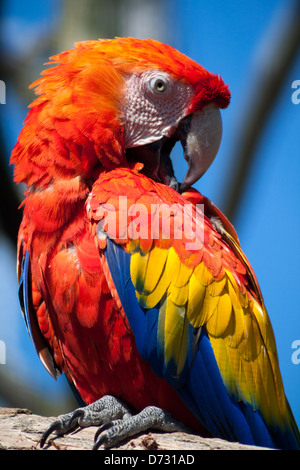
[200,136]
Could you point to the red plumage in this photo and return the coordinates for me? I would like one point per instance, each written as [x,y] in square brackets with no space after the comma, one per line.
[72,156]
[72,133]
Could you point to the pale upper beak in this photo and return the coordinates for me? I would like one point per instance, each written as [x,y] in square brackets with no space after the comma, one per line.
[200,136]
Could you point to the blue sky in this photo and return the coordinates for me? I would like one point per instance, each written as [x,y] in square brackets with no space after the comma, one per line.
[228,38]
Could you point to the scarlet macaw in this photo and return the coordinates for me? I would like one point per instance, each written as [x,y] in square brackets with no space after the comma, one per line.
[132,284]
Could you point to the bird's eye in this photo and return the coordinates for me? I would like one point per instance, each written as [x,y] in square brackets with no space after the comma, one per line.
[159,84]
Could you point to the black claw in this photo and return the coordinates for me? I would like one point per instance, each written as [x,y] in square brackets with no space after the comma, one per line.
[76,414]
[99,442]
[102,439]
[103,428]
[53,427]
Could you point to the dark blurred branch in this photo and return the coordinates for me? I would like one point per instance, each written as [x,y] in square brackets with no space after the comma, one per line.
[9,201]
[271,73]
[10,216]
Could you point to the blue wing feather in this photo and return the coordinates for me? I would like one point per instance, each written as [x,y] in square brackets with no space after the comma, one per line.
[24,291]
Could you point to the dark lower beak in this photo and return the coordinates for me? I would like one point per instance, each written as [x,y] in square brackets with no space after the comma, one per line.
[156,160]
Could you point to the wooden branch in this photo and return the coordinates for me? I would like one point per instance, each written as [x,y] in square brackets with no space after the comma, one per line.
[22,430]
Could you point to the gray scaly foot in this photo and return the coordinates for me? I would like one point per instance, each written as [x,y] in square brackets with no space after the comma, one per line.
[151,417]
[116,422]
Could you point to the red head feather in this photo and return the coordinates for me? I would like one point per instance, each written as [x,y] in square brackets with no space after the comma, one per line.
[73,127]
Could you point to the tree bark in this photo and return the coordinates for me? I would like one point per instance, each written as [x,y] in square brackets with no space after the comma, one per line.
[22,430]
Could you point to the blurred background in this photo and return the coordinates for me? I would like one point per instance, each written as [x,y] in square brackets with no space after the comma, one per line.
[255,47]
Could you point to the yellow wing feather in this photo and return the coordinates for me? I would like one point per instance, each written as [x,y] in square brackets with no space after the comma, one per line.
[236,322]
[176,334]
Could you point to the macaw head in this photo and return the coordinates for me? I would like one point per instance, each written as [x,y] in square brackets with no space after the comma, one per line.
[112,102]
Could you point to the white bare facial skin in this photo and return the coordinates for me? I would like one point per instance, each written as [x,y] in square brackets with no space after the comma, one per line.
[155,103]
